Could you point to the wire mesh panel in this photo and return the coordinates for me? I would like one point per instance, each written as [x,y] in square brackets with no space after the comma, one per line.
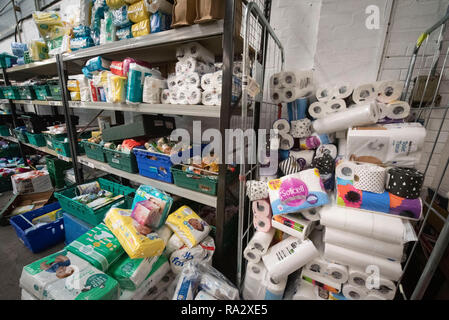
[427,75]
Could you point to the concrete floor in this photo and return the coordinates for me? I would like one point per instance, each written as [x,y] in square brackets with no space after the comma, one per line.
[14,255]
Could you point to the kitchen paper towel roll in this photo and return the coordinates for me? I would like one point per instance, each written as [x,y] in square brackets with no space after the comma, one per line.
[343,91]
[388,269]
[345,170]
[364,244]
[357,277]
[274,288]
[287,142]
[354,293]
[405,182]
[251,254]
[337,272]
[305,291]
[364,93]
[301,128]
[165,96]
[293,224]
[261,241]
[368,224]
[262,224]
[389,91]
[329,149]
[256,190]
[335,105]
[194,96]
[324,94]
[282,125]
[253,288]
[262,208]
[287,256]
[311,214]
[318,109]
[369,178]
[358,116]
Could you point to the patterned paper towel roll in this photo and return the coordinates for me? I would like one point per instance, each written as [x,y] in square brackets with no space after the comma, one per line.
[405,182]
[370,178]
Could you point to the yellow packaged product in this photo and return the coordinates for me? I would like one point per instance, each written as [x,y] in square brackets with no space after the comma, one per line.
[49,25]
[75,96]
[136,244]
[131,1]
[115,4]
[140,29]
[116,88]
[138,12]
[188,226]
[38,50]
[73,85]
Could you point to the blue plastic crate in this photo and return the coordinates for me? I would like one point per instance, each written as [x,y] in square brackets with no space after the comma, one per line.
[40,238]
[154,165]
[74,227]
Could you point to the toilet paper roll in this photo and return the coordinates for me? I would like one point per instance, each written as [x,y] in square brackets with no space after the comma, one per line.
[388,269]
[329,149]
[182,97]
[324,94]
[261,241]
[342,147]
[287,142]
[290,166]
[303,157]
[364,93]
[311,214]
[262,224]
[337,272]
[174,96]
[301,128]
[305,291]
[357,277]
[217,79]
[301,80]
[343,91]
[275,80]
[206,81]
[253,286]
[361,243]
[318,266]
[276,95]
[262,208]
[396,110]
[194,96]
[335,105]
[251,254]
[275,288]
[287,256]
[171,81]
[165,96]
[405,182]
[386,290]
[345,170]
[195,50]
[211,98]
[282,125]
[180,80]
[369,178]
[193,80]
[318,109]
[290,94]
[368,224]
[354,293]
[192,65]
[293,224]
[325,164]
[256,190]
[389,91]
[361,115]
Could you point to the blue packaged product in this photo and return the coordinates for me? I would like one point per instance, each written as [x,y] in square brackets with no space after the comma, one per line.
[136,78]
[21,61]
[160,22]
[120,17]
[81,31]
[81,43]
[87,73]
[124,33]
[18,49]
[98,64]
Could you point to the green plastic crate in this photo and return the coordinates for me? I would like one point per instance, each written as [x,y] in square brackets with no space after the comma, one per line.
[55,90]
[7,60]
[42,92]
[12,151]
[56,168]
[26,93]
[11,92]
[49,138]
[5,184]
[36,139]
[2,96]
[4,131]
[121,160]
[85,213]
[21,135]
[94,151]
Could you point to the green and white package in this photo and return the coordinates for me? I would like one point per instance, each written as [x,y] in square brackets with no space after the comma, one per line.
[65,276]
[145,192]
[98,246]
[160,268]
[130,273]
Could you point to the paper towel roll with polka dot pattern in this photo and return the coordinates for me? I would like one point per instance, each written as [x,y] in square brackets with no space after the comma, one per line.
[301,128]
[256,190]
[405,182]
[369,178]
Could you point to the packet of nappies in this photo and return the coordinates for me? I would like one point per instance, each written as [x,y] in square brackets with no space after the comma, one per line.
[136,242]
[188,226]
[130,273]
[98,64]
[297,192]
[124,33]
[141,28]
[65,276]
[157,197]
[98,246]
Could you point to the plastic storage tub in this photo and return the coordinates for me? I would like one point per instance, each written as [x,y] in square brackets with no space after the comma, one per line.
[36,139]
[55,90]
[74,227]
[56,168]
[11,92]
[5,184]
[42,91]
[40,238]
[85,213]
[154,165]
[94,151]
[7,60]
[121,160]
[21,135]
[4,131]
[26,92]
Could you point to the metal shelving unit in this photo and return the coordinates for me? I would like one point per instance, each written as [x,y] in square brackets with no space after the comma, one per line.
[222,39]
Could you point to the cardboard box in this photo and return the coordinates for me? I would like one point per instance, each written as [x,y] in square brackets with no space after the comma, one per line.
[31,182]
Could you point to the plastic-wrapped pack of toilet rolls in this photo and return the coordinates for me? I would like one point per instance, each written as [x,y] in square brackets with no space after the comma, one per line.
[152,89]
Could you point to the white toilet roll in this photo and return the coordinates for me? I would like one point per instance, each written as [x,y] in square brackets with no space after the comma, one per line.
[275,288]
[318,109]
[165,96]
[318,265]
[357,277]
[329,149]
[211,98]
[302,80]
[276,95]
[388,269]
[342,91]
[324,94]
[194,50]
[335,105]
[358,116]
[261,241]
[182,97]
[396,110]
[193,80]
[345,170]
[171,81]
[282,125]
[287,256]
[371,178]
[389,91]
[368,224]
[291,94]
[337,272]
[386,290]
[305,291]
[311,214]
[364,93]
[194,96]
[253,285]
[364,244]
[252,255]
[174,96]
[206,81]
[287,142]
[354,293]
[306,155]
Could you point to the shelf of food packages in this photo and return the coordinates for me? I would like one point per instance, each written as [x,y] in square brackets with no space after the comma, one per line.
[39,102]
[168,109]
[167,187]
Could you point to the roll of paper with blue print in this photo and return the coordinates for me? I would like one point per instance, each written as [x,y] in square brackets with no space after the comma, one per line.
[275,288]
